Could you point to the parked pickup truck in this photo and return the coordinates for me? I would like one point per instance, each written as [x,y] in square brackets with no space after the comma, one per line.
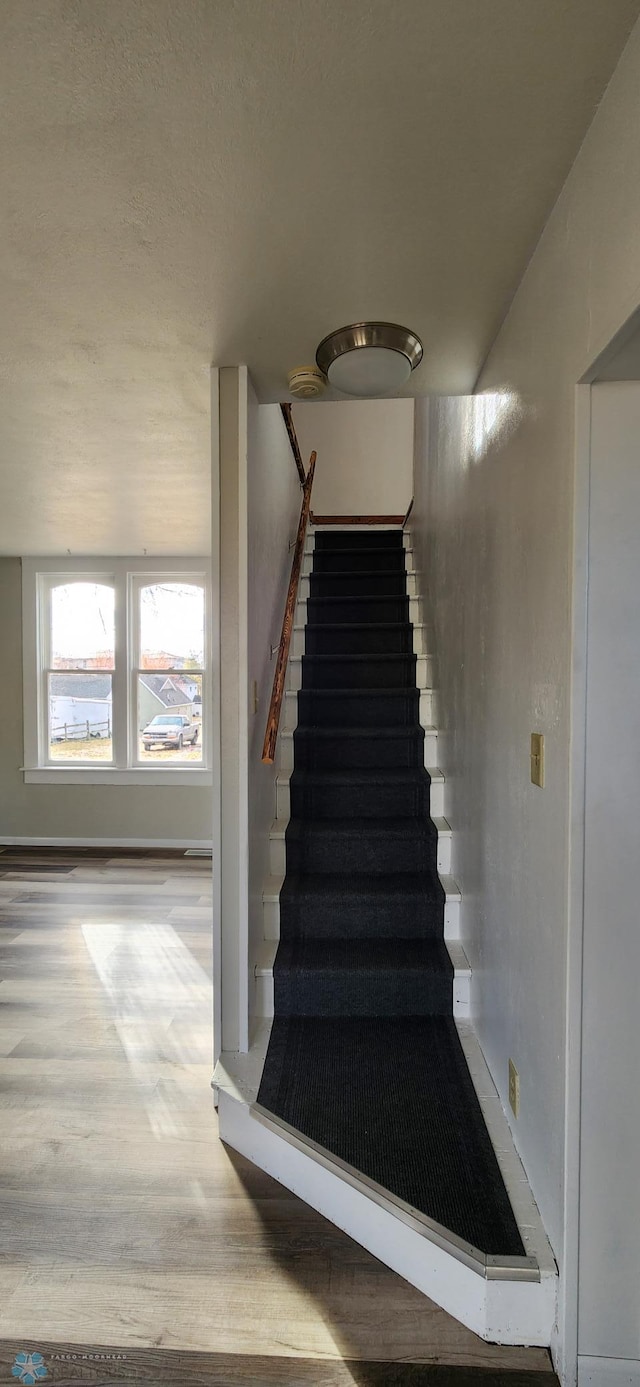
[169,730]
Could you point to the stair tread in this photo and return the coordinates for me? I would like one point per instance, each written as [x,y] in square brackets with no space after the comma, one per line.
[376,730]
[370,828]
[359,625]
[268,948]
[364,691]
[360,573]
[364,775]
[390,951]
[411,775]
[362,657]
[362,884]
[360,597]
[356,549]
[356,530]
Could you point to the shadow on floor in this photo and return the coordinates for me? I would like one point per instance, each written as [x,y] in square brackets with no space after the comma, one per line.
[371,1312]
[69,1365]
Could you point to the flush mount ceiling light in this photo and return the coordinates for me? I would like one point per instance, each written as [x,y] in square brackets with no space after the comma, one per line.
[369,359]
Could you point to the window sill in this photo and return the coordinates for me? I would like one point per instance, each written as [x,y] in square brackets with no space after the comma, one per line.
[90,775]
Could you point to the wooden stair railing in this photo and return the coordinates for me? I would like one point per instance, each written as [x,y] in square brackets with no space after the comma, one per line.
[277,694]
[295,446]
[357,519]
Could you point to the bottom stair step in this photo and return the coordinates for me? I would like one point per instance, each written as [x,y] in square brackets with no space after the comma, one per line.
[393,1098]
[506,1300]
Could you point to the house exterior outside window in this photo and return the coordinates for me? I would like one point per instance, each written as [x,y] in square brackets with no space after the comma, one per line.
[116,659]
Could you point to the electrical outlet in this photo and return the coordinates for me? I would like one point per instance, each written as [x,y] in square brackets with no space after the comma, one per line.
[514,1089]
[537,759]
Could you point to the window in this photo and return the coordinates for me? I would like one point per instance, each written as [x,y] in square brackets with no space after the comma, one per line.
[115,671]
[167,694]
[78,646]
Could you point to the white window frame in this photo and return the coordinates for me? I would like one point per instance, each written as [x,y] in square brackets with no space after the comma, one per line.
[126,576]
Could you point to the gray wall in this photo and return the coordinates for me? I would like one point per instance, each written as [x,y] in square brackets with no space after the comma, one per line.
[365,454]
[493,524]
[120,812]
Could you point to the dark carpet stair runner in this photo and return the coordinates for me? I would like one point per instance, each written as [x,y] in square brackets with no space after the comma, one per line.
[364,1056]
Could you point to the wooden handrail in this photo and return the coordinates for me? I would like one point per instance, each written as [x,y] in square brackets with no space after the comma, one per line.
[277,693]
[293,439]
[356,519]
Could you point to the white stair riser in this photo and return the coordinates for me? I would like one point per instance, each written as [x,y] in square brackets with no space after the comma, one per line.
[291,708]
[313,530]
[452,919]
[265,1006]
[462,995]
[294,680]
[286,749]
[307,562]
[419,646]
[436,799]
[301,608]
[317,529]
[304,589]
[283,800]
[271,916]
[297,641]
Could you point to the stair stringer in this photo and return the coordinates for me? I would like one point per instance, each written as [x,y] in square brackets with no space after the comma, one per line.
[509,1301]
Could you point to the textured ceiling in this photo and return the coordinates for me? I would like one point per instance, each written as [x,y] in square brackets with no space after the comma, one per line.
[188,181]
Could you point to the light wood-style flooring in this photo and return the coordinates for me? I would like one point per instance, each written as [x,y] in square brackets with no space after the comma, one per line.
[124,1221]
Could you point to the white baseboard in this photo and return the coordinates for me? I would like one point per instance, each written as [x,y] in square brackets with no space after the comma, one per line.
[608,1372]
[180,844]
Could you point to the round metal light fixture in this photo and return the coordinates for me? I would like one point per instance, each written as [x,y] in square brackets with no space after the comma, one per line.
[369,359]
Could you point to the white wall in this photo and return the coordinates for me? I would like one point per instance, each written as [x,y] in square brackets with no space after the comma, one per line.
[274,498]
[119,813]
[260,499]
[493,525]
[233,385]
[365,455]
[609,1324]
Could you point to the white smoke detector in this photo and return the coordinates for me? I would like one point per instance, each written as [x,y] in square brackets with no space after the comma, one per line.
[307,382]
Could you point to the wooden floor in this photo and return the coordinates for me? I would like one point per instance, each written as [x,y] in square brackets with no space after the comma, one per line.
[124,1221]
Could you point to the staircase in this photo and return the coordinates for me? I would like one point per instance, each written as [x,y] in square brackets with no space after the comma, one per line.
[373,1100]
